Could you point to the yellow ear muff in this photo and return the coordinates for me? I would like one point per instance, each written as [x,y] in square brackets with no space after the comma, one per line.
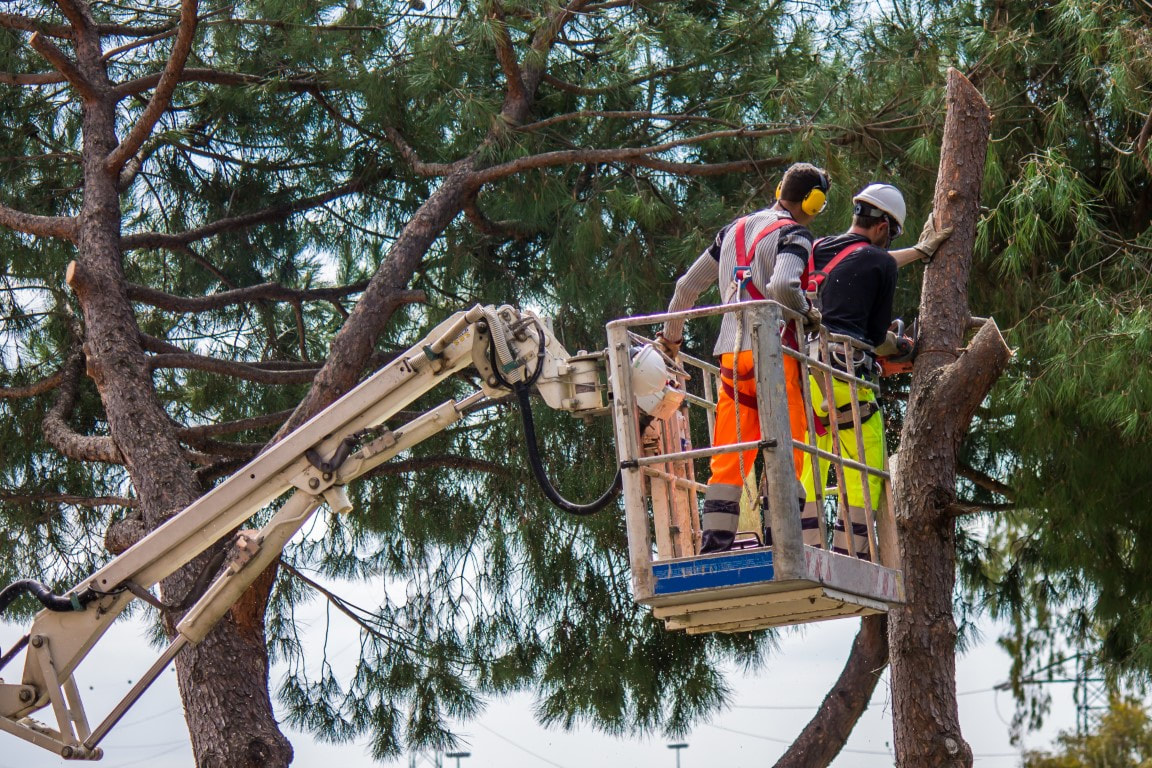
[779,189]
[813,202]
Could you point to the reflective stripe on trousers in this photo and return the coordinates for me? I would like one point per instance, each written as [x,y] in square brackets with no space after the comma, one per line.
[872,431]
[722,505]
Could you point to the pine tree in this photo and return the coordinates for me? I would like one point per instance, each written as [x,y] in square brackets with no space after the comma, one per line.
[313,184]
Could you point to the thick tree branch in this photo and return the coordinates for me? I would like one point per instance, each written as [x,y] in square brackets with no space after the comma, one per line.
[710,169]
[128,30]
[546,36]
[262,292]
[77,14]
[42,226]
[981,480]
[190,434]
[25,24]
[69,499]
[64,65]
[213,449]
[635,155]
[63,227]
[37,78]
[162,96]
[962,509]
[162,240]
[964,384]
[514,96]
[516,112]
[245,371]
[214,77]
[672,117]
[61,436]
[161,347]
[35,388]
[828,730]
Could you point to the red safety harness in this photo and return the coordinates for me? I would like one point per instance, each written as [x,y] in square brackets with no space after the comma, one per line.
[742,274]
[816,277]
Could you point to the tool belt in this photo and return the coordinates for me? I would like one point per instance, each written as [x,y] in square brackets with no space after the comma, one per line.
[858,362]
[868,409]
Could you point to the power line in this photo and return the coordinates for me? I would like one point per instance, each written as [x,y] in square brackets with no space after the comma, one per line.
[522,749]
[152,757]
[149,717]
[789,741]
[817,706]
[886,753]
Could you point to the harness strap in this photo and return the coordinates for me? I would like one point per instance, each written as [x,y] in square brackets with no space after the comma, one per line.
[868,409]
[816,277]
[744,255]
[745,399]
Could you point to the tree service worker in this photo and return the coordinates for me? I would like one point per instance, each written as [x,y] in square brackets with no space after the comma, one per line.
[761,255]
[855,276]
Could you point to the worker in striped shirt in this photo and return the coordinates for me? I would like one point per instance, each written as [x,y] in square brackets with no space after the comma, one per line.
[761,255]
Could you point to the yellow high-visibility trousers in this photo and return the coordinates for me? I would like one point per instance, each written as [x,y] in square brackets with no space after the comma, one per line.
[872,431]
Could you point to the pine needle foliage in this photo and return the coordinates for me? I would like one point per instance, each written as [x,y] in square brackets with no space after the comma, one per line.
[479,588]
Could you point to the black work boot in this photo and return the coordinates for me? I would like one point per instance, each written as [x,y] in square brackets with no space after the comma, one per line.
[716,541]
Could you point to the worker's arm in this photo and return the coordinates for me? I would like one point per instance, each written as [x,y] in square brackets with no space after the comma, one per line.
[925,248]
[883,277]
[784,284]
[699,277]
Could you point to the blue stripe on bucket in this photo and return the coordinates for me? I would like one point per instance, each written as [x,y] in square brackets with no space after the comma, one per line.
[713,572]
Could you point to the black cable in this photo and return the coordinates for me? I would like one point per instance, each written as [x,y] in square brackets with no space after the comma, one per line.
[13,651]
[46,596]
[545,484]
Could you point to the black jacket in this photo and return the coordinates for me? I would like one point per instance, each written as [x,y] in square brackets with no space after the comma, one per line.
[856,297]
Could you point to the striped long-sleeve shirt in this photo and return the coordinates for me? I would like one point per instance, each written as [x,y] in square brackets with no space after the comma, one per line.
[776,270]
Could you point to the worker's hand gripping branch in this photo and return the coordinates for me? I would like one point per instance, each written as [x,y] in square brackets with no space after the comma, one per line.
[931,238]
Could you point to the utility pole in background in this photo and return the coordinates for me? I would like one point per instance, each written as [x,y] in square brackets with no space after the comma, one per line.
[458,755]
[677,747]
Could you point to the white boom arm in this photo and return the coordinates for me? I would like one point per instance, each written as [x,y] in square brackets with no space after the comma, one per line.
[506,346]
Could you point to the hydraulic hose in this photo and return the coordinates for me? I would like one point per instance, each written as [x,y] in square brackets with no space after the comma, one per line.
[47,597]
[522,392]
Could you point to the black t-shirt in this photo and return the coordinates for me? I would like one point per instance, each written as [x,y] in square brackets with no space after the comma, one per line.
[857,295]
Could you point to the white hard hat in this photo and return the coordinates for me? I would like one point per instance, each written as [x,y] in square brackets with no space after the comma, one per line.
[655,392]
[886,198]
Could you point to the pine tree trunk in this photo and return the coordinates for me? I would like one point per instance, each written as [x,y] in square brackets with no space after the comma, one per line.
[224,680]
[948,385]
[828,730]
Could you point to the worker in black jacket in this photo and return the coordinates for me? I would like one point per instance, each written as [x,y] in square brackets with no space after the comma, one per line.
[855,277]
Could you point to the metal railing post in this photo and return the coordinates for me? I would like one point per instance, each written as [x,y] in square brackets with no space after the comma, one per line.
[779,469]
[627,452]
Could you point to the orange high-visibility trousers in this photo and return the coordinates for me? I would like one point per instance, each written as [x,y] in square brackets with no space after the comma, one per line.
[726,466]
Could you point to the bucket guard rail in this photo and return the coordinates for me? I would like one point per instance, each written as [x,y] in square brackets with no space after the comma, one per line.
[754,587]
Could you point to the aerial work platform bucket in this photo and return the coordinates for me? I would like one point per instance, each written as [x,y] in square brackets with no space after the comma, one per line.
[751,586]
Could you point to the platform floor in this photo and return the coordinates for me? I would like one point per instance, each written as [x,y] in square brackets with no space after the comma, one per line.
[737,591]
